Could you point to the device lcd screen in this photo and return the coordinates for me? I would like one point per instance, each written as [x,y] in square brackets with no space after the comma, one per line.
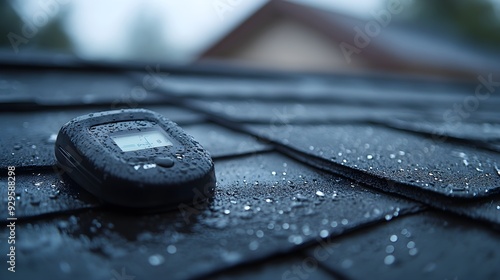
[140,140]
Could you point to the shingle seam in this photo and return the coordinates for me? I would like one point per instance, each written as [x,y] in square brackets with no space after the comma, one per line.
[312,243]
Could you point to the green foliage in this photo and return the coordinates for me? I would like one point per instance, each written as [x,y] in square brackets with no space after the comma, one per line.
[9,22]
[49,37]
[478,20]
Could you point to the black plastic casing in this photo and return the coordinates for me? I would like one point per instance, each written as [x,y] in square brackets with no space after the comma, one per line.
[86,152]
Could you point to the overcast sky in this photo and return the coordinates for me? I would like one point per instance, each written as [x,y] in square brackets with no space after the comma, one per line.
[102,29]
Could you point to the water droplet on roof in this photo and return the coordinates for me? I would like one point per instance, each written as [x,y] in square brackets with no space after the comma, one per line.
[254,245]
[301,197]
[320,193]
[52,138]
[156,260]
[389,259]
[334,195]
[306,230]
[171,249]
[496,169]
[389,249]
[231,257]
[405,232]
[54,194]
[393,238]
[295,239]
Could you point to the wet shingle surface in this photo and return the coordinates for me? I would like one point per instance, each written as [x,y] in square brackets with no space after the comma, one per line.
[264,204]
[222,142]
[47,192]
[315,175]
[445,168]
[423,246]
[282,268]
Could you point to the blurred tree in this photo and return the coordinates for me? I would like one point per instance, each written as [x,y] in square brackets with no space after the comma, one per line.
[53,36]
[50,37]
[9,22]
[475,19]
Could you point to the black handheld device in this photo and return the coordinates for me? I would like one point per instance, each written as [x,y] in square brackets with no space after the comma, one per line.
[134,158]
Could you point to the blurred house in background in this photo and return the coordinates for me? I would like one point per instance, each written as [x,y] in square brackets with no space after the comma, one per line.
[284,35]
[447,38]
[289,36]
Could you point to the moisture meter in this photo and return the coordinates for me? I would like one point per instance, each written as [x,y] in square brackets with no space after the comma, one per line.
[134,158]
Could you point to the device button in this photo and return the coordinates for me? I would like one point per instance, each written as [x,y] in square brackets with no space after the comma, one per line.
[164,161]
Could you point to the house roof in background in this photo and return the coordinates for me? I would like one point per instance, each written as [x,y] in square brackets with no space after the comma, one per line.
[397,46]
